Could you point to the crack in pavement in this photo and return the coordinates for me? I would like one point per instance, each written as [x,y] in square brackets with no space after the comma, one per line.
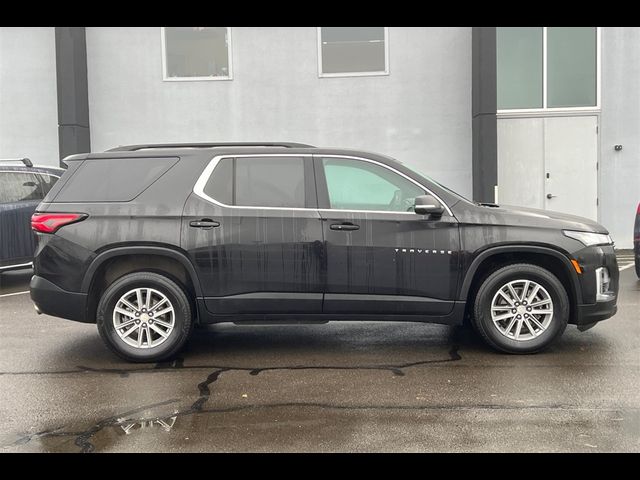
[178,364]
[83,439]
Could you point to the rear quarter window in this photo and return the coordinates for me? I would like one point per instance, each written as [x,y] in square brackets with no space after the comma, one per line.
[113,179]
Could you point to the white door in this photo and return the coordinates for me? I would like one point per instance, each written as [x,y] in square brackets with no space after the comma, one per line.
[571,157]
[549,163]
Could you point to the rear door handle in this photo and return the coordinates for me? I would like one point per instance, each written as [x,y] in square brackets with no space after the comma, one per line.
[344,226]
[205,223]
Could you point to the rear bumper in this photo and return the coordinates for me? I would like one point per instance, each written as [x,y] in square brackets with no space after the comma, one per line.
[53,300]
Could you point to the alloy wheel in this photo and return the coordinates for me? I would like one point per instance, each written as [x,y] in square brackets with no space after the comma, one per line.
[143,318]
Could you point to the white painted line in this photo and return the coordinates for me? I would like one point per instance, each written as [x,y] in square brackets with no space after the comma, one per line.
[626,266]
[11,294]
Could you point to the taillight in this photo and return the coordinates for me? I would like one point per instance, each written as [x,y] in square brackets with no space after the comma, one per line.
[638,211]
[51,222]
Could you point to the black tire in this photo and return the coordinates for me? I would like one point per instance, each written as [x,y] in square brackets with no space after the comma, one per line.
[638,266]
[182,317]
[484,325]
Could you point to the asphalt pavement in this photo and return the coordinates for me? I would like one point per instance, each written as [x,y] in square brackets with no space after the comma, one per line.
[341,387]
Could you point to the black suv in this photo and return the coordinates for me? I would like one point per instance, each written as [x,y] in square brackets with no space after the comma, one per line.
[148,240]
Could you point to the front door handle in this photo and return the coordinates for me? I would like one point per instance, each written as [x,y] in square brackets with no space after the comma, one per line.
[205,223]
[549,196]
[344,226]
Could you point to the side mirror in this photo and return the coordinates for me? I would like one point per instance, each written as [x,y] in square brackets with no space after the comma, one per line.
[428,205]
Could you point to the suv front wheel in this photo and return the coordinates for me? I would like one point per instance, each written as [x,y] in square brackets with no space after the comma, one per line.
[521,308]
[144,317]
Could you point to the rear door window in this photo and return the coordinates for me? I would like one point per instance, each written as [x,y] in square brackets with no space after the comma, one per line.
[258,182]
[270,182]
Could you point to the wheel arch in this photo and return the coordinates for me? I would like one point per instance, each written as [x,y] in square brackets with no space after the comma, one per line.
[118,261]
[489,260]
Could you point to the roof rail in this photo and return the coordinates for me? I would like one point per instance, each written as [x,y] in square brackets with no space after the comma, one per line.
[132,148]
[26,161]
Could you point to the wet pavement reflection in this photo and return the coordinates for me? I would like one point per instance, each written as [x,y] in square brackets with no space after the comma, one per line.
[338,387]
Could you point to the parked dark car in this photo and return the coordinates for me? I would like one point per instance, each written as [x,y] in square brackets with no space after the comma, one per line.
[148,240]
[22,188]
[636,240]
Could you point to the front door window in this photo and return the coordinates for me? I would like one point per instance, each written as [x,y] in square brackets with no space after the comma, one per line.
[359,185]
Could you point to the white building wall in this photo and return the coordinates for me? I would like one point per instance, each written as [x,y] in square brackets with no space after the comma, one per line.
[620,124]
[420,113]
[28,98]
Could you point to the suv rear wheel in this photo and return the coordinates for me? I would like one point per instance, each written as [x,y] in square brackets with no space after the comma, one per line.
[521,308]
[144,317]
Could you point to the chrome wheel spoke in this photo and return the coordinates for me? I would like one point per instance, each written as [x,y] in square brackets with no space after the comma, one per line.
[510,326]
[525,289]
[124,312]
[540,303]
[518,329]
[532,330]
[130,331]
[159,331]
[527,313]
[505,316]
[142,329]
[126,324]
[506,297]
[162,312]
[139,298]
[536,322]
[160,303]
[513,293]
[534,291]
[162,323]
[128,304]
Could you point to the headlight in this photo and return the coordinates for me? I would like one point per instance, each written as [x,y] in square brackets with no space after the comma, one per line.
[588,238]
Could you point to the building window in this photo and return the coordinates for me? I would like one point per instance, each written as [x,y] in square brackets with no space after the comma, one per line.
[540,68]
[353,51]
[196,53]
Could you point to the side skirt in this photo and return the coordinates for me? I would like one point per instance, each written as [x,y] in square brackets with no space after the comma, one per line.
[455,317]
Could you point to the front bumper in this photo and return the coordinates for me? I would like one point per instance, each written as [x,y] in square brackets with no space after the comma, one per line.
[53,300]
[589,315]
[591,310]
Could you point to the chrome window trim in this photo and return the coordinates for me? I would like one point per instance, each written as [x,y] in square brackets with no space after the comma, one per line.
[28,264]
[198,188]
